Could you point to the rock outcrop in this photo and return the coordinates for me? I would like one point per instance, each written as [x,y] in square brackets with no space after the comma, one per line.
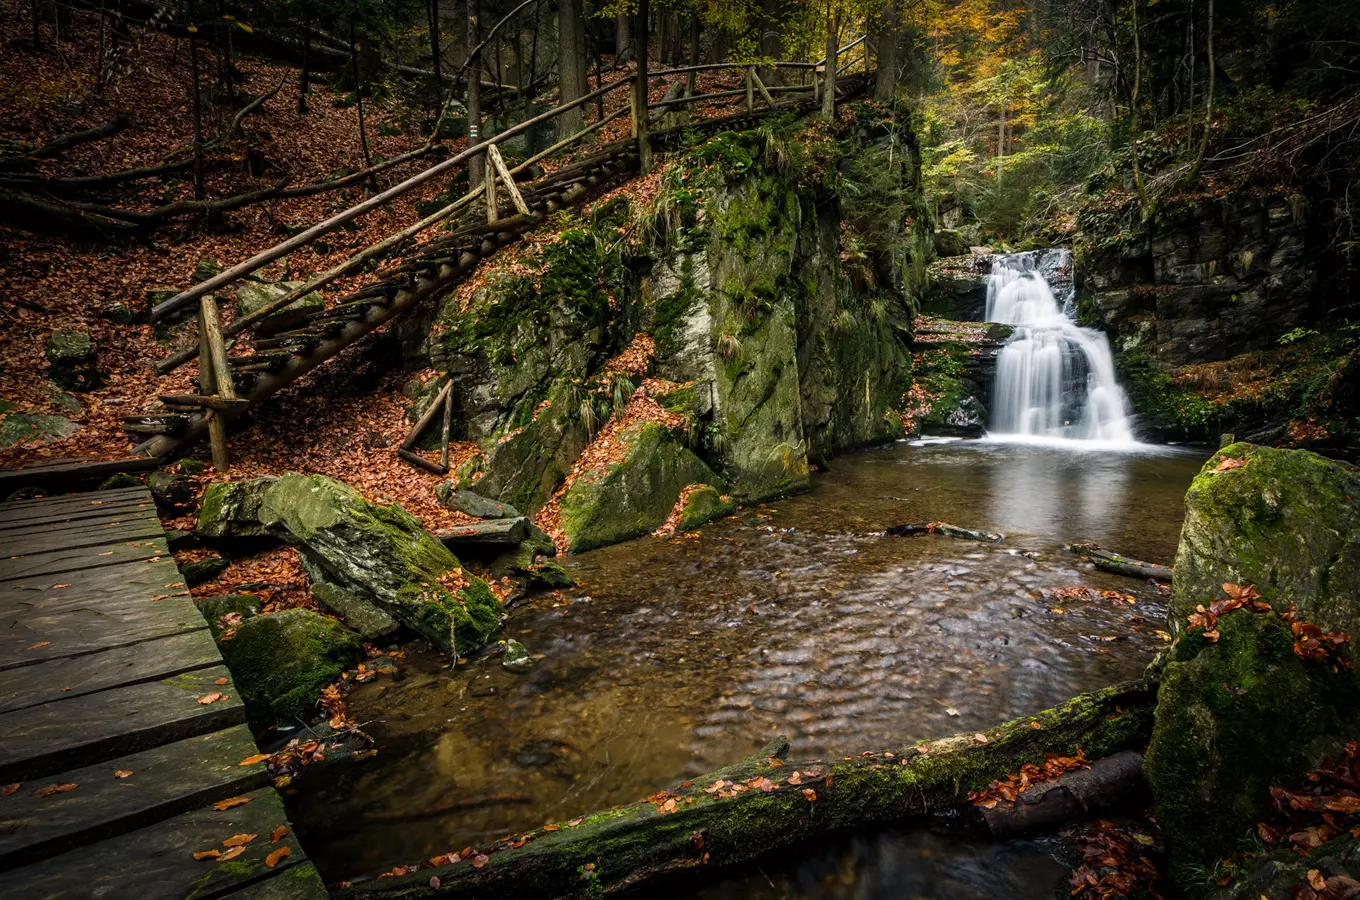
[282,662]
[1243,705]
[381,554]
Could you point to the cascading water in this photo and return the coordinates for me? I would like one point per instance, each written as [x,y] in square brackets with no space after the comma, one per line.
[1054,379]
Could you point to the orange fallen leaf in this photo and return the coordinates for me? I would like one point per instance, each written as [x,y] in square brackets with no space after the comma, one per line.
[212,698]
[277,834]
[252,760]
[207,854]
[1230,463]
[51,789]
[809,795]
[40,645]
[237,840]
[57,586]
[980,738]
[10,789]
[480,860]
[122,773]
[220,681]
[233,853]
[230,802]
[272,859]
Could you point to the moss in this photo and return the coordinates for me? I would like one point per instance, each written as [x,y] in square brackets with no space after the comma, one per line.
[1233,718]
[201,570]
[121,480]
[703,505]
[282,662]
[247,606]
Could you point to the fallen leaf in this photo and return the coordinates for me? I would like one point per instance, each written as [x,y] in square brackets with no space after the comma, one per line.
[272,859]
[480,859]
[212,698]
[10,789]
[40,645]
[207,854]
[1230,463]
[233,853]
[551,827]
[123,773]
[220,681]
[980,738]
[1316,881]
[230,802]
[252,760]
[51,789]
[809,795]
[277,834]
[237,840]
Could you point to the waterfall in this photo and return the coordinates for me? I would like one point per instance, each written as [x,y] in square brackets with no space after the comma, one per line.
[1054,379]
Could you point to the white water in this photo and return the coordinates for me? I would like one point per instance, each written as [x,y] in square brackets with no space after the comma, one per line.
[1054,379]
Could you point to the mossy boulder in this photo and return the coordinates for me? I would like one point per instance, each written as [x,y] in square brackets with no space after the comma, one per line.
[252,296]
[1288,521]
[1276,875]
[201,570]
[703,505]
[633,496]
[380,553]
[359,613]
[218,610]
[21,428]
[1241,714]
[524,466]
[72,363]
[282,662]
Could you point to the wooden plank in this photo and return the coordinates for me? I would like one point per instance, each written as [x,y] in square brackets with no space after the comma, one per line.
[40,635]
[93,536]
[118,584]
[122,509]
[74,676]
[28,508]
[67,526]
[138,490]
[65,472]
[162,783]
[71,561]
[157,862]
[82,731]
[301,882]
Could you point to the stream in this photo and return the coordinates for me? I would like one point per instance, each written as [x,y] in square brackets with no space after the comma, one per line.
[674,657]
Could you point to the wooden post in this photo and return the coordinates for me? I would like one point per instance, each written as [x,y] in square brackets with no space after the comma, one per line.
[498,163]
[750,89]
[214,377]
[764,92]
[448,423]
[640,100]
[493,211]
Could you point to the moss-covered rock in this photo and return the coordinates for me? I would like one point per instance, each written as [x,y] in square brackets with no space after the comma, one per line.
[232,508]
[253,296]
[22,428]
[524,467]
[72,361]
[704,504]
[1240,714]
[1277,875]
[282,662]
[1288,522]
[201,570]
[359,613]
[632,497]
[219,611]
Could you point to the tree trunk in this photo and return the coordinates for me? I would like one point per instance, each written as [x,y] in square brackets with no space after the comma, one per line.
[773,13]
[304,77]
[622,39]
[436,52]
[197,104]
[1208,105]
[767,802]
[36,10]
[1134,97]
[641,116]
[571,66]
[690,77]
[477,164]
[829,76]
[885,84]
[359,106]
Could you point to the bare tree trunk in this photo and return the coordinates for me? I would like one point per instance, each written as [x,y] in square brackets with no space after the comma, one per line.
[477,164]
[622,38]
[1208,105]
[829,78]
[571,63]
[640,98]
[197,104]
[436,53]
[1134,128]
[36,9]
[693,54]
[359,106]
[772,15]
[304,78]
[885,85]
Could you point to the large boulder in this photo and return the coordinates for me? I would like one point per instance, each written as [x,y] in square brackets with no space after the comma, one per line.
[254,296]
[1240,708]
[282,662]
[72,362]
[381,553]
[634,493]
[20,428]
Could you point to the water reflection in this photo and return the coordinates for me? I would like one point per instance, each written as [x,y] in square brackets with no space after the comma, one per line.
[675,657]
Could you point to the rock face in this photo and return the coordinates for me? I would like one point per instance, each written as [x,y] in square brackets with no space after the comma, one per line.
[253,296]
[282,662]
[381,553]
[1245,712]
[631,497]
[473,504]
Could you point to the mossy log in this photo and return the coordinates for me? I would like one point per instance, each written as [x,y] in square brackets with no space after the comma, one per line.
[972,534]
[768,802]
[1120,565]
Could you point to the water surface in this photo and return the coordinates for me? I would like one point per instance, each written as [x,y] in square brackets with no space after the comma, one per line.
[676,656]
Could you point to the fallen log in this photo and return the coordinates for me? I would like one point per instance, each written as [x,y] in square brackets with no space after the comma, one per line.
[765,802]
[1120,565]
[915,528]
[1077,795]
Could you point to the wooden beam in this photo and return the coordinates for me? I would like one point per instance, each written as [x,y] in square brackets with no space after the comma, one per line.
[214,377]
[221,404]
[493,211]
[448,421]
[750,89]
[416,459]
[508,180]
[427,416]
[764,92]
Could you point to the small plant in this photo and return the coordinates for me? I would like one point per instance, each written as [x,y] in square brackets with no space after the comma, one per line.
[1296,335]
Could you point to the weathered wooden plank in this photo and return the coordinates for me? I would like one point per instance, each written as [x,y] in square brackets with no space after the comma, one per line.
[134,579]
[102,522]
[82,731]
[93,536]
[75,676]
[122,509]
[301,882]
[62,561]
[159,784]
[63,474]
[40,635]
[22,508]
[158,862]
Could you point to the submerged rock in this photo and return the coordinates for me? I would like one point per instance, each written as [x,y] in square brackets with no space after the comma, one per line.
[1240,709]
[631,497]
[517,658]
[282,662]
[382,553]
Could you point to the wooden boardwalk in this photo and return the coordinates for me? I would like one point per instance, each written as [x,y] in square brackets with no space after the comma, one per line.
[115,749]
